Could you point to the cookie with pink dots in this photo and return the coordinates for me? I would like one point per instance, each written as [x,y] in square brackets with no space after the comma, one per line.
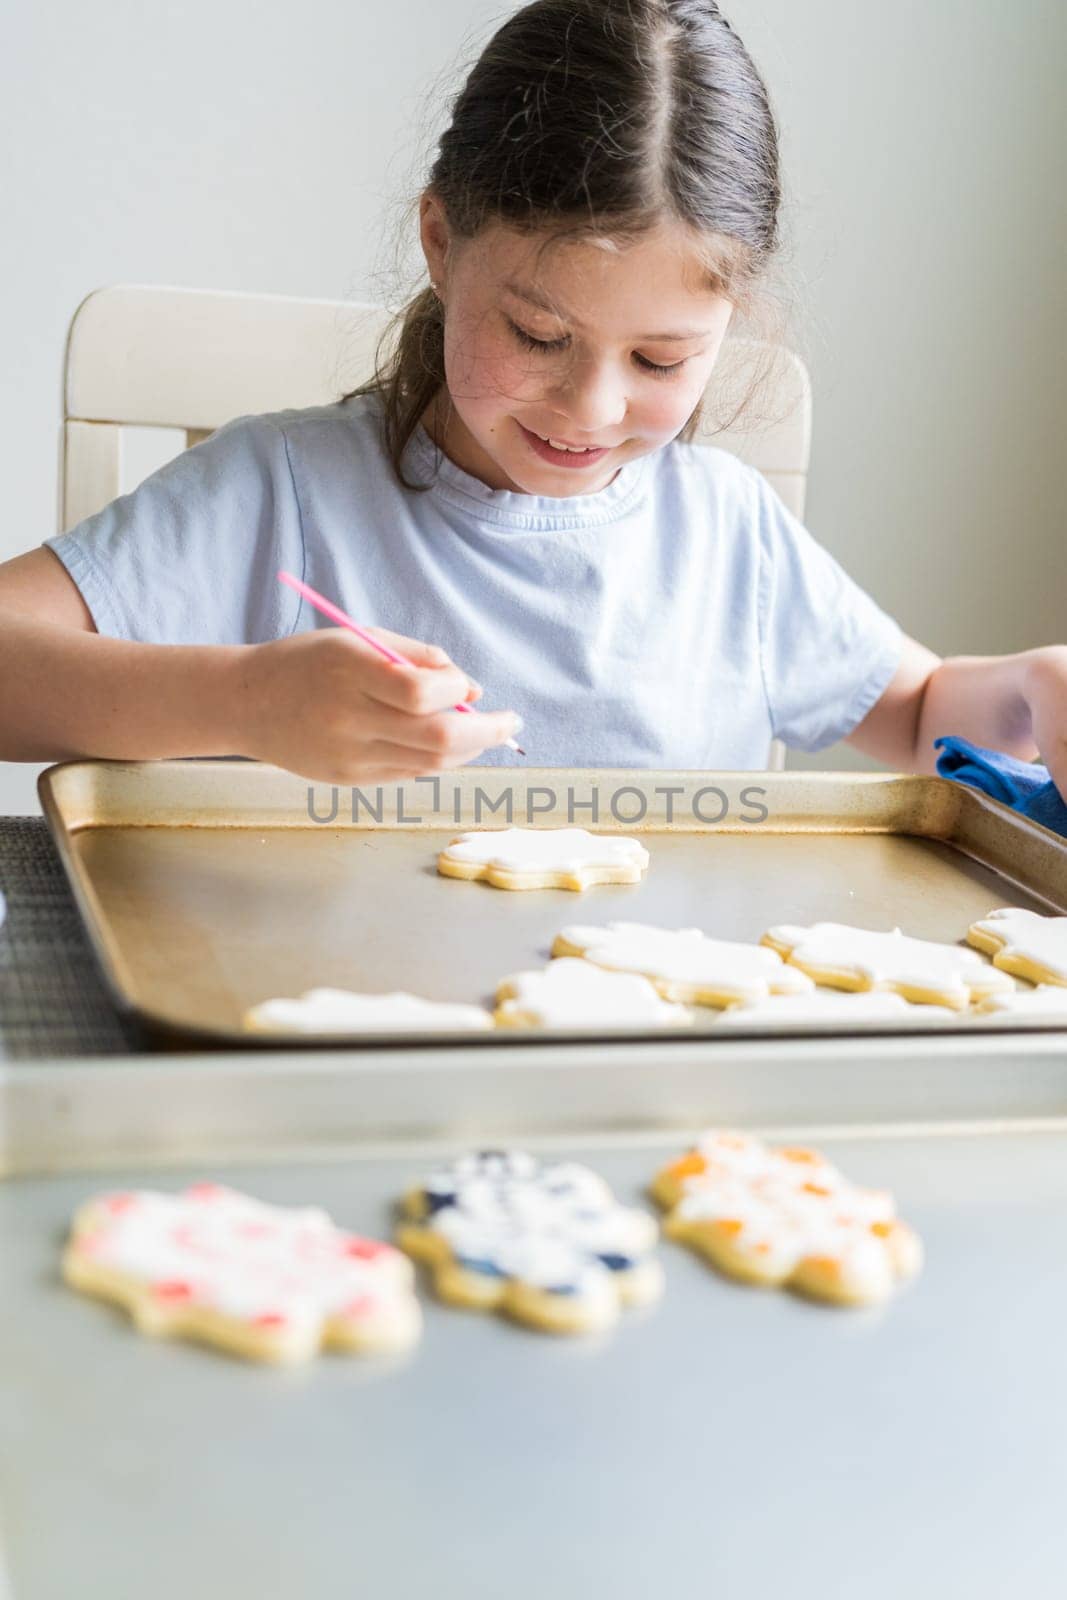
[544,858]
[543,1242]
[923,971]
[573,993]
[785,1217]
[1024,942]
[272,1283]
[685,964]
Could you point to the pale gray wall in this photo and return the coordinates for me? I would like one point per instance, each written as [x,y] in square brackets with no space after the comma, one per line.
[265,147]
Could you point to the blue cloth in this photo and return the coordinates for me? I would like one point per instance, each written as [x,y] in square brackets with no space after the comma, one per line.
[1023,785]
[679,617]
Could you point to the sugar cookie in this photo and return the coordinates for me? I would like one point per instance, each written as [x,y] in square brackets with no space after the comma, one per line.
[684,964]
[342,1011]
[830,1005]
[569,992]
[1024,942]
[546,1244]
[1047,1000]
[786,1218]
[921,970]
[544,858]
[268,1282]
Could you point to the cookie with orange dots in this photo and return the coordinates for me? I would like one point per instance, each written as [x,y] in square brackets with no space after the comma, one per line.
[785,1217]
[271,1283]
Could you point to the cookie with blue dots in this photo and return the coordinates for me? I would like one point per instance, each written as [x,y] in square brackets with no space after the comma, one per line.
[544,1243]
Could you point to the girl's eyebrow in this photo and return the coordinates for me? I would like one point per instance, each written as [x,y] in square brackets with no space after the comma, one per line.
[536,299]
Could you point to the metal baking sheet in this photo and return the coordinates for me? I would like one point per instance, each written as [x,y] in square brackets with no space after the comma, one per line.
[729,1441]
[207,886]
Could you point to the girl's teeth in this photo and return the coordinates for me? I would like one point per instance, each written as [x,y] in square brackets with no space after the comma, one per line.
[569,448]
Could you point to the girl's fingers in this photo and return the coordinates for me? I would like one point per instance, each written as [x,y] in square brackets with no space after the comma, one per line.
[419,691]
[384,760]
[445,735]
[427,681]
[417,651]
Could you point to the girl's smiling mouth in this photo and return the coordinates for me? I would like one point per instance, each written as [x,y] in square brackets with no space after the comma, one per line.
[562,458]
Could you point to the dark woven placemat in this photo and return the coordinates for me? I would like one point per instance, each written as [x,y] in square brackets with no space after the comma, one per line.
[53,1001]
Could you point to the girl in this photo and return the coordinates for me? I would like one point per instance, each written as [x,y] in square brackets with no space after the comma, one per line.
[517,487]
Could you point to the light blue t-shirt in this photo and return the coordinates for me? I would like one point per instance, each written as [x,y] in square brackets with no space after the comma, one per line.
[679,618]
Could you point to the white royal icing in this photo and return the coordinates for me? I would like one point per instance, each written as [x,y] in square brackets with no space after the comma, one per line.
[728,1152]
[547,1226]
[891,958]
[688,956]
[220,1249]
[824,1005]
[1029,935]
[341,1010]
[546,849]
[1047,1000]
[570,990]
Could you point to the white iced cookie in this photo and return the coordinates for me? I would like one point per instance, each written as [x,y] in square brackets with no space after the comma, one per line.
[786,1217]
[342,1011]
[921,970]
[267,1282]
[546,1244]
[1024,942]
[570,993]
[1047,1000]
[544,858]
[684,964]
[827,1005]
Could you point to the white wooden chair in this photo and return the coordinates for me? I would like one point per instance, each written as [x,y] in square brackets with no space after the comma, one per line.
[151,370]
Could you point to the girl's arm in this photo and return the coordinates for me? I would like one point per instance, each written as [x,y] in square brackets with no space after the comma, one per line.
[69,692]
[1015,704]
[320,704]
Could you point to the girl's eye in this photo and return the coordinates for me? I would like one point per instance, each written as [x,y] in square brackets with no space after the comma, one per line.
[531,343]
[660,372]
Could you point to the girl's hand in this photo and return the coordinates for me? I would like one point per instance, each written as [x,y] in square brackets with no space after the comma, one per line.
[1045,691]
[327,707]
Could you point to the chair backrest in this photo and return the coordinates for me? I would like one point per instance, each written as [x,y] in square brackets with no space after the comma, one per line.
[151,370]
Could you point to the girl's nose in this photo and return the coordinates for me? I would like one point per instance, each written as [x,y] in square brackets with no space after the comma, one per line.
[594,398]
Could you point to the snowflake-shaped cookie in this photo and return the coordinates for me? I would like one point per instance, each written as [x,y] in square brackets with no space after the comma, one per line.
[685,964]
[786,1217]
[268,1282]
[544,858]
[344,1011]
[572,993]
[546,1244]
[922,970]
[1024,942]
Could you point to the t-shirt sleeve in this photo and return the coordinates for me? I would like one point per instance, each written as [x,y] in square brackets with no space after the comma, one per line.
[828,651]
[191,555]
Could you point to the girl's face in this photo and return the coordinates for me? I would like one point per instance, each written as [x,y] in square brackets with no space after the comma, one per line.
[619,360]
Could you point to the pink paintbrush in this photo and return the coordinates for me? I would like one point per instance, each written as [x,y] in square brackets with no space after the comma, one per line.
[335,614]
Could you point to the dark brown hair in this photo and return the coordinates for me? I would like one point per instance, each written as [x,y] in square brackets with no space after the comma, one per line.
[597,119]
